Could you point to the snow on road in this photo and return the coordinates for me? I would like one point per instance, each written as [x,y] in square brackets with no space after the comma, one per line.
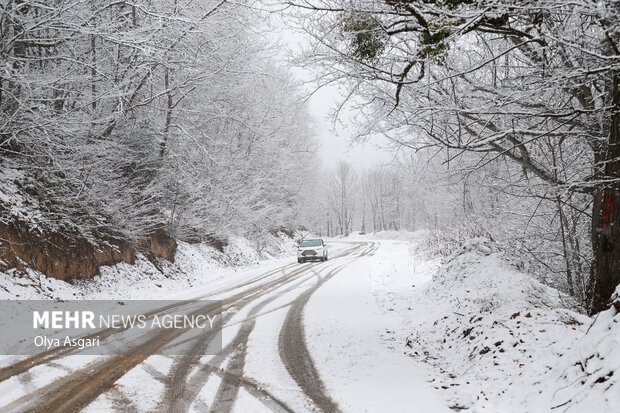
[351,327]
[469,331]
[260,369]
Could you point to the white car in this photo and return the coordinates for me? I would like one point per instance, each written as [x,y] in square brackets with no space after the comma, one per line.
[311,249]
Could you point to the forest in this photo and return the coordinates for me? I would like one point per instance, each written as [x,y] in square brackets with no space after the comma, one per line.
[119,119]
[507,113]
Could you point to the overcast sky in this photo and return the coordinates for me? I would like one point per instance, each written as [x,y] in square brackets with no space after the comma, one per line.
[334,138]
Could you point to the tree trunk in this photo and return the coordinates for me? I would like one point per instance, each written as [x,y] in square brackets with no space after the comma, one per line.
[607,261]
[364,216]
[93,73]
[19,55]
[166,131]
[567,256]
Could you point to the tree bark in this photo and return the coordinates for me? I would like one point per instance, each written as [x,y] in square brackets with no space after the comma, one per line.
[169,107]
[607,262]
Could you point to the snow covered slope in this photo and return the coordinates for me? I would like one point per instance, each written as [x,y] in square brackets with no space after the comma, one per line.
[496,339]
[195,265]
[502,342]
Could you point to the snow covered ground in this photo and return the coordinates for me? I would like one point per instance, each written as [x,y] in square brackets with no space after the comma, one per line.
[495,339]
[387,323]
[197,267]
[350,327]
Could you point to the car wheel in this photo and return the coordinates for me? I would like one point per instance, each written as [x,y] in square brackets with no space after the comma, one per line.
[326,258]
[299,260]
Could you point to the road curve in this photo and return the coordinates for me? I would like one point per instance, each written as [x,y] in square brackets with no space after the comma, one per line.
[77,389]
[294,351]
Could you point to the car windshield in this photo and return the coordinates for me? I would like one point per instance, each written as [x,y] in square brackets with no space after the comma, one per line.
[310,243]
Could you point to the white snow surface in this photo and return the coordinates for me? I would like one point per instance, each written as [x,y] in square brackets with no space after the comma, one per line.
[397,331]
[357,342]
[495,339]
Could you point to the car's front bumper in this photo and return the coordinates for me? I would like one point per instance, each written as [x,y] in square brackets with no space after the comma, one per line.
[310,254]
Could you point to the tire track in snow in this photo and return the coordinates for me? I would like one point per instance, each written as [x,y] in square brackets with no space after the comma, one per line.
[75,391]
[294,351]
[181,394]
[232,375]
[48,356]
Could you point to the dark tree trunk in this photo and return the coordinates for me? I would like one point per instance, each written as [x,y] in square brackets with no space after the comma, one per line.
[607,260]
[19,56]
[597,204]
[169,107]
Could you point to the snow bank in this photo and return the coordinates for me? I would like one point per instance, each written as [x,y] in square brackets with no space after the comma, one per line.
[590,381]
[195,265]
[502,342]
[424,243]
[396,235]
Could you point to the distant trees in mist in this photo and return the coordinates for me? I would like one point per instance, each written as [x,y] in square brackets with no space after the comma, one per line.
[404,195]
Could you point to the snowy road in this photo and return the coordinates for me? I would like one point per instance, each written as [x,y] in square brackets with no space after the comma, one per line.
[285,349]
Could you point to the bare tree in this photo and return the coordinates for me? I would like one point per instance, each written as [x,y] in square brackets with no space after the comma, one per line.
[342,186]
